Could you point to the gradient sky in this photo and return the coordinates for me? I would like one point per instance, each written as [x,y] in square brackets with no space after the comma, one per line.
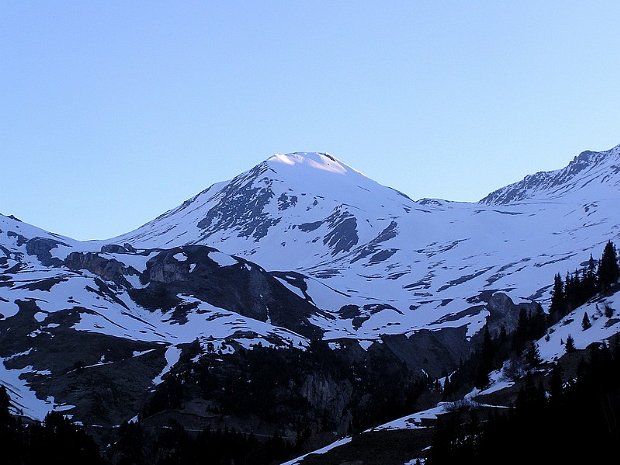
[112,112]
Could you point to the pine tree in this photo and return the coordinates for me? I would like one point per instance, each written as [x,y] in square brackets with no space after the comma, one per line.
[538,323]
[570,344]
[573,287]
[532,355]
[609,312]
[558,298]
[608,270]
[585,323]
[590,281]
[486,360]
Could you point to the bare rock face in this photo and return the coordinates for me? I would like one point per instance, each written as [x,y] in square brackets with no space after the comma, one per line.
[242,287]
[41,247]
[430,352]
[107,269]
[504,312]
[115,248]
[326,394]
[167,270]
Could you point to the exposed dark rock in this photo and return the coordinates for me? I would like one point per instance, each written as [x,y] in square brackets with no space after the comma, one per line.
[308,227]
[21,240]
[240,207]
[326,394]
[107,393]
[115,248]
[343,234]
[382,256]
[435,352]
[504,312]
[284,201]
[373,246]
[104,291]
[42,284]
[41,247]
[244,288]
[359,315]
[349,311]
[463,279]
[109,269]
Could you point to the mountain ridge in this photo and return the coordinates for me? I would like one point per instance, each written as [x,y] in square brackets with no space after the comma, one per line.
[555,179]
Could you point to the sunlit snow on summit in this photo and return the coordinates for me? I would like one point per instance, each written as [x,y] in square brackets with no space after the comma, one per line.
[320,161]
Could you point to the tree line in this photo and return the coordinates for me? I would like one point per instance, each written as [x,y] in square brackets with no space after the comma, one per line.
[578,287]
[556,420]
[518,348]
[55,440]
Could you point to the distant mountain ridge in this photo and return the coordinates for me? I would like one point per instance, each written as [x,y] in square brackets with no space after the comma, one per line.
[587,167]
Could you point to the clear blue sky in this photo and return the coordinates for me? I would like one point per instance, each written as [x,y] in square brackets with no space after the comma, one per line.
[112,112]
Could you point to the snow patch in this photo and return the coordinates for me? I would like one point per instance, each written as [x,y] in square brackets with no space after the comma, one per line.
[290,287]
[366,344]
[338,443]
[23,398]
[172,357]
[63,408]
[222,259]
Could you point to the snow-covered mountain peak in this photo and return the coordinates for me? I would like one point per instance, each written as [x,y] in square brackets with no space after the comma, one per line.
[316,173]
[589,175]
[283,200]
[588,159]
[314,160]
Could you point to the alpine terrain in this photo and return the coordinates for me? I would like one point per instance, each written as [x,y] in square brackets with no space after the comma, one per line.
[302,303]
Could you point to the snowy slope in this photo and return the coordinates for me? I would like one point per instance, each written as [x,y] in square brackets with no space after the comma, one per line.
[602,328]
[405,264]
[300,246]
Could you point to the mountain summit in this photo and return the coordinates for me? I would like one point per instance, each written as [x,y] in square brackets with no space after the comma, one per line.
[275,200]
[311,160]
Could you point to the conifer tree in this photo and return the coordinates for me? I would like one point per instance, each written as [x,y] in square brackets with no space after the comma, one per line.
[486,360]
[590,280]
[558,298]
[532,355]
[609,312]
[570,344]
[585,323]
[573,291]
[608,271]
